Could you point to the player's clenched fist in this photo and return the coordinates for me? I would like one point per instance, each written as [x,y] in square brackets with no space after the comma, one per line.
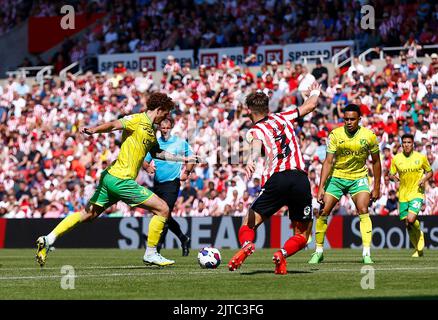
[88,131]
[320,196]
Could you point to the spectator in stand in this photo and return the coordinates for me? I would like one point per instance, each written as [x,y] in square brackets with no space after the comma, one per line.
[321,74]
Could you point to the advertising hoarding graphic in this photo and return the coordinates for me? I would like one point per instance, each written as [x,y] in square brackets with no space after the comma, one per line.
[209,59]
[390,232]
[221,232]
[155,61]
[149,63]
[274,55]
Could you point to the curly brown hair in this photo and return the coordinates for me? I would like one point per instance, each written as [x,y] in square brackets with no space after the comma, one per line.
[160,100]
[258,102]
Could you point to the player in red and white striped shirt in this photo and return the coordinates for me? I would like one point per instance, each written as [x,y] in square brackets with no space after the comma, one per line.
[284,181]
[281,146]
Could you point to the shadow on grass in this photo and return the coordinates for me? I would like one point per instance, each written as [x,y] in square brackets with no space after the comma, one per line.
[272,272]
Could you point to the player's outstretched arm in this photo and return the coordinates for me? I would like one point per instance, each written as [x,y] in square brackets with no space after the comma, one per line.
[377,172]
[325,171]
[159,153]
[103,128]
[310,104]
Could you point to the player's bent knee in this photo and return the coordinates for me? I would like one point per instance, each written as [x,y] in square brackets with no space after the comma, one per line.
[411,220]
[324,213]
[91,212]
[163,210]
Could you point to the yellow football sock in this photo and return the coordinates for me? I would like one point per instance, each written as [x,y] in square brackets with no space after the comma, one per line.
[156,226]
[366,229]
[416,236]
[67,224]
[413,236]
[320,230]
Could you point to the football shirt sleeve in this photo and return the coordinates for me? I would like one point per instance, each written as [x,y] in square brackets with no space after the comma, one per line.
[393,168]
[291,115]
[374,144]
[187,150]
[332,143]
[252,134]
[426,165]
[130,123]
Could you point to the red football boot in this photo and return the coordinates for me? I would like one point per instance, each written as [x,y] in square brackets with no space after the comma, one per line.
[237,260]
[280,263]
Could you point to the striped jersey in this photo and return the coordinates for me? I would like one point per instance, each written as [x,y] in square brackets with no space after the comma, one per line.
[279,142]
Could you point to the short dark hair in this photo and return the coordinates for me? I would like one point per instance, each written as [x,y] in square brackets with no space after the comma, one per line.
[159,100]
[407,136]
[258,102]
[354,108]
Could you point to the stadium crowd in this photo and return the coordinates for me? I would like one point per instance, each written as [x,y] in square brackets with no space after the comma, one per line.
[161,25]
[48,169]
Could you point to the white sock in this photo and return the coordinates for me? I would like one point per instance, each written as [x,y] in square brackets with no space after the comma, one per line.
[150,251]
[366,251]
[284,252]
[51,237]
[319,249]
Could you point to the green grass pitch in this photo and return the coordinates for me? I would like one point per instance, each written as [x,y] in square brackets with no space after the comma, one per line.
[120,274]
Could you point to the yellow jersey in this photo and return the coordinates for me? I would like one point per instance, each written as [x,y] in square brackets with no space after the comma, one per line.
[410,170]
[137,140]
[351,152]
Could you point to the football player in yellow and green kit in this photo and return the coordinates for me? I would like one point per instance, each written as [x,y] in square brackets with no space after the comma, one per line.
[413,171]
[344,171]
[117,182]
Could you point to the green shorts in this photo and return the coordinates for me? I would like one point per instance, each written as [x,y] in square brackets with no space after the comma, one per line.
[337,187]
[413,206]
[112,189]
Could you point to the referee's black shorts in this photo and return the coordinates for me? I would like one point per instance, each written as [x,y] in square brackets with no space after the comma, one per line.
[287,188]
[168,191]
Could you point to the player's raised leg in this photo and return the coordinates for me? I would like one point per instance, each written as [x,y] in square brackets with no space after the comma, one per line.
[97,204]
[246,238]
[44,243]
[302,231]
[361,201]
[328,204]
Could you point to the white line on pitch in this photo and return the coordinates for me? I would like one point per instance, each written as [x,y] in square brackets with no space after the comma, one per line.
[209,272]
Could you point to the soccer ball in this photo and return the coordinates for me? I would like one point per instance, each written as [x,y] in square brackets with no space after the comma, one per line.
[209,258]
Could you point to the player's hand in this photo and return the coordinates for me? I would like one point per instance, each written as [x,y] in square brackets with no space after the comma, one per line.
[249,170]
[314,86]
[88,131]
[184,176]
[194,159]
[422,183]
[375,195]
[320,196]
[151,169]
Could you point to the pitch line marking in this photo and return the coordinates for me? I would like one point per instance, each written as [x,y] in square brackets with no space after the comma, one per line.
[209,272]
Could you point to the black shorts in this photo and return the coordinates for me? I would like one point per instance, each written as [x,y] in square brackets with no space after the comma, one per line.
[168,191]
[287,188]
